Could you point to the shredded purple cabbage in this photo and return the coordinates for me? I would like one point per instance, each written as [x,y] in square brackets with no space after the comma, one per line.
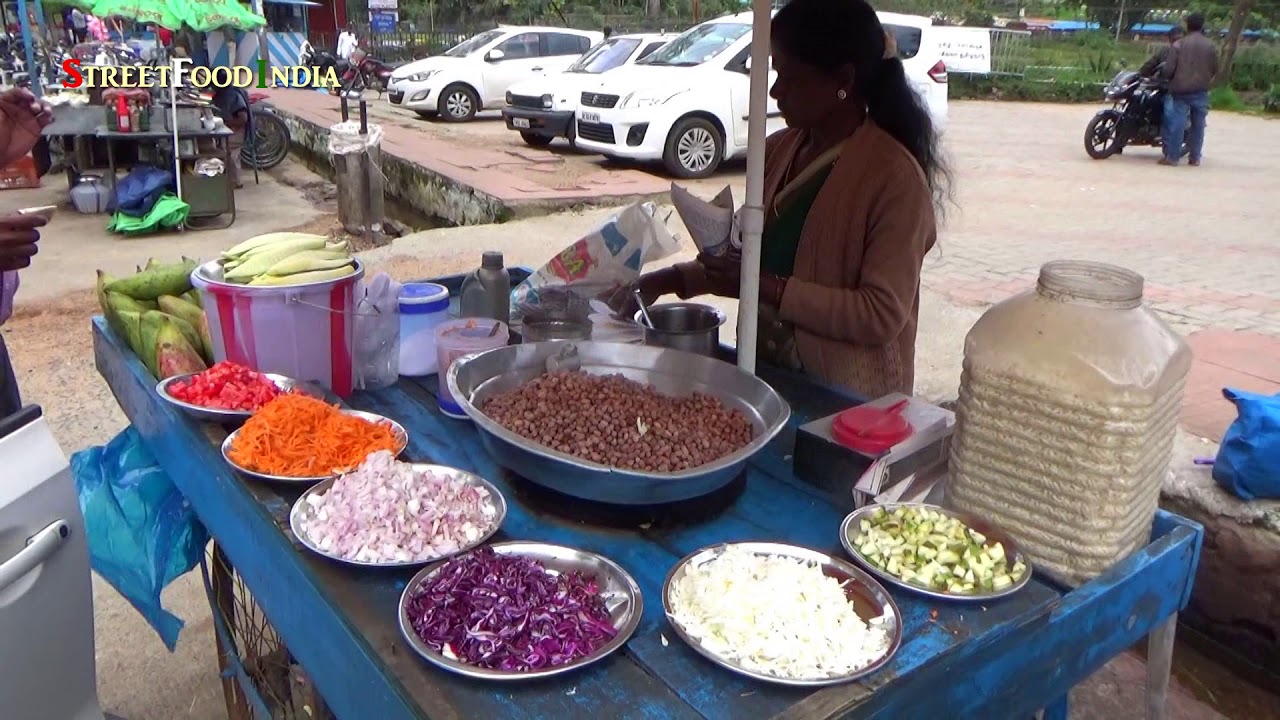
[504,612]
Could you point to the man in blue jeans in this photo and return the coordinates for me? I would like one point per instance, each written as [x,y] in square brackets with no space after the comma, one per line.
[1190,69]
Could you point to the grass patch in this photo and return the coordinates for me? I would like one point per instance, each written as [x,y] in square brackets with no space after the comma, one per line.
[1225,98]
[979,87]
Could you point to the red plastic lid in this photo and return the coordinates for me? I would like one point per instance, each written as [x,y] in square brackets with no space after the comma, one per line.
[870,430]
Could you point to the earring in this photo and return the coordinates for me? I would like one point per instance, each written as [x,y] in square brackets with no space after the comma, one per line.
[842,94]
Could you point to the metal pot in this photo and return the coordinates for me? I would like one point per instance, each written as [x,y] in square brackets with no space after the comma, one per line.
[691,327]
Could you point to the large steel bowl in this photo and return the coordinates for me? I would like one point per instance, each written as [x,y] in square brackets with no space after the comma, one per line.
[475,378]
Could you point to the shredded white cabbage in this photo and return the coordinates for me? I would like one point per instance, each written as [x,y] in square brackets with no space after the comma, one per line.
[775,615]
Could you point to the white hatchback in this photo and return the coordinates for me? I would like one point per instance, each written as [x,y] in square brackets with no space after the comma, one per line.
[686,105]
[475,74]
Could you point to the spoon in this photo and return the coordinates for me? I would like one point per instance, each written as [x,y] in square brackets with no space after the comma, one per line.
[494,331]
[644,311]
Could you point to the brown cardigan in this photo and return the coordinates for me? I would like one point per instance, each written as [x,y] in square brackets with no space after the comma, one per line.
[855,296]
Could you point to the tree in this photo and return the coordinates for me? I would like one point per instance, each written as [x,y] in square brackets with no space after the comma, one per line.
[1239,14]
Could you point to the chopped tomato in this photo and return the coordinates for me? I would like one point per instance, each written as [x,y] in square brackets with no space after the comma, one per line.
[227,386]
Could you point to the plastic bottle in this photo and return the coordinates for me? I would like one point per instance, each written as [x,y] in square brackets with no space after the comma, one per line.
[486,293]
[144,118]
[122,115]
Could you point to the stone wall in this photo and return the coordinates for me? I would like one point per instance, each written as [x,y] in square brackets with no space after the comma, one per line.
[407,182]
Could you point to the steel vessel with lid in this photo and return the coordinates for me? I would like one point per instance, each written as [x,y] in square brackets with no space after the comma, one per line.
[1068,408]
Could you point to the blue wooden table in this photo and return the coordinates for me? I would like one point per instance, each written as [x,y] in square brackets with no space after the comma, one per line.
[1005,659]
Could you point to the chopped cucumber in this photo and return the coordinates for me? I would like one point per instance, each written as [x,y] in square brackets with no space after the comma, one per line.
[931,549]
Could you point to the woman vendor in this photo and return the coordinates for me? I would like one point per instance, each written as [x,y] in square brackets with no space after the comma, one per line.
[850,189]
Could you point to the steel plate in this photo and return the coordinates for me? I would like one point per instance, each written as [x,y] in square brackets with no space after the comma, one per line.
[619,590]
[220,416]
[302,511]
[868,597]
[850,532]
[474,378]
[402,441]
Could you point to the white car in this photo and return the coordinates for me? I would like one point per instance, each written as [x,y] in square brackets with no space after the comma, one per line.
[543,109]
[687,103]
[474,75]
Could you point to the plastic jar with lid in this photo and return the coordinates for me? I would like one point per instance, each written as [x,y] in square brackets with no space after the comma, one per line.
[1069,404]
[423,306]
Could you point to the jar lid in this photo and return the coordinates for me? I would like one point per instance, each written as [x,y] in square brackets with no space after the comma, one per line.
[870,430]
[422,293]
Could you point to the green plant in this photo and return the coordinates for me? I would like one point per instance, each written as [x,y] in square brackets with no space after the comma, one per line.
[1271,101]
[1256,68]
[977,87]
[1224,98]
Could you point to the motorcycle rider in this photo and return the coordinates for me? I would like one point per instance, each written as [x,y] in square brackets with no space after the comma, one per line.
[1191,67]
[1156,61]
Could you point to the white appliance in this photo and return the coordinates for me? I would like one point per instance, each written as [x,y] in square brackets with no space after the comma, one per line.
[46,599]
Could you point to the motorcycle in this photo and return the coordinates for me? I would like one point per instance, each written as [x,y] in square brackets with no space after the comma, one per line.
[322,61]
[366,71]
[1134,118]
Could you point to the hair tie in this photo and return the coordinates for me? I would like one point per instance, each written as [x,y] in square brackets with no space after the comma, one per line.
[890,46]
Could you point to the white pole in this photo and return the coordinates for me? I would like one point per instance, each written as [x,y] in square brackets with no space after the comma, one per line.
[752,216]
[173,109]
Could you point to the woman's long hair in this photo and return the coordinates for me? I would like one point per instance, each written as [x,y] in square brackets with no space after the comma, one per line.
[832,34]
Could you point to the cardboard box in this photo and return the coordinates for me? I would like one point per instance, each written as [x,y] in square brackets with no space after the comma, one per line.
[21,174]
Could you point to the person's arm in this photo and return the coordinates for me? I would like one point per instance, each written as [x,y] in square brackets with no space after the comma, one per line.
[1170,63]
[901,231]
[1149,67]
[8,288]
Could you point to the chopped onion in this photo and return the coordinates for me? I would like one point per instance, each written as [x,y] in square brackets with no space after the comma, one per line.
[506,612]
[775,615]
[385,511]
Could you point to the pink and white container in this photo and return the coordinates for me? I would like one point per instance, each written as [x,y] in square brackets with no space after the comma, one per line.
[457,338]
[301,331]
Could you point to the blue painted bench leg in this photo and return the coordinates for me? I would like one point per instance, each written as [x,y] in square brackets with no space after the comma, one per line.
[1056,710]
[1159,667]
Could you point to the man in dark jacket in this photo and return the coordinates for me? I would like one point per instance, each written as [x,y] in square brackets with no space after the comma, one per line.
[1190,68]
[1156,62]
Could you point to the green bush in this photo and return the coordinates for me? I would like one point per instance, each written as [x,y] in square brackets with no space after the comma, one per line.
[1256,67]
[1271,101]
[979,87]
[1224,98]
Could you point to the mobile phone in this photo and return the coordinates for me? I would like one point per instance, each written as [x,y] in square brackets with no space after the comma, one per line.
[44,211]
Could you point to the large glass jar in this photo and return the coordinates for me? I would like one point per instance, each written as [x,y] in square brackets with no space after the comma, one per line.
[1068,407]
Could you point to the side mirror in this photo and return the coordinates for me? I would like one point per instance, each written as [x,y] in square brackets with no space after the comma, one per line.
[494,55]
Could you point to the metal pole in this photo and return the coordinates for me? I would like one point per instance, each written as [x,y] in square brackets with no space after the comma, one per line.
[1120,21]
[32,74]
[752,215]
[263,51]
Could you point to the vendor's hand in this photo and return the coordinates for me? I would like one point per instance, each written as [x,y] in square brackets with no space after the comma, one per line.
[22,115]
[724,273]
[651,286]
[18,238]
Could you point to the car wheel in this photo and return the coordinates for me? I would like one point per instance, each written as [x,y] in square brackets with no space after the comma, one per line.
[458,103]
[694,148]
[536,140]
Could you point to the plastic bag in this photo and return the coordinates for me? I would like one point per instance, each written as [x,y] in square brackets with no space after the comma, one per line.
[607,258]
[142,533]
[377,333]
[138,191]
[1248,462]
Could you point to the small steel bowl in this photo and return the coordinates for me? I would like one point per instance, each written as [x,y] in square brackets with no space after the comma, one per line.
[214,415]
[618,589]
[302,512]
[850,532]
[402,441]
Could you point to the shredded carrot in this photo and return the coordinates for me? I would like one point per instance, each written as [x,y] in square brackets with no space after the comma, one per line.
[299,436]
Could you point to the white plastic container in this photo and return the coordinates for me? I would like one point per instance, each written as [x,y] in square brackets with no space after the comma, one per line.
[423,307]
[305,332]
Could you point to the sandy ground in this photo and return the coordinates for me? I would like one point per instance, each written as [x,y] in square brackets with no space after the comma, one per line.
[1024,198]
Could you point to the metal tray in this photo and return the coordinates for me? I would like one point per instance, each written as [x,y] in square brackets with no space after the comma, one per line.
[849,532]
[402,441]
[619,590]
[474,378]
[219,416]
[869,599]
[302,511]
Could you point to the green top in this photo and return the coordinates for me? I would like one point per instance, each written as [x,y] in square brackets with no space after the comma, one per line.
[782,234]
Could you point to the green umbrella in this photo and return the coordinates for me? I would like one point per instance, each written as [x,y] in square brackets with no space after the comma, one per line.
[199,15]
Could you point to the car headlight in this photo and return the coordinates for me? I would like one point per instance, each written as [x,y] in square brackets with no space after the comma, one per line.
[546,102]
[421,76]
[649,98]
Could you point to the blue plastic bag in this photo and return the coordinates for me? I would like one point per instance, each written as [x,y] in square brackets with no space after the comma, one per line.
[137,192]
[1248,462]
[142,532]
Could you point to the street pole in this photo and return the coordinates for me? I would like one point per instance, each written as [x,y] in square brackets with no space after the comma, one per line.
[1120,21]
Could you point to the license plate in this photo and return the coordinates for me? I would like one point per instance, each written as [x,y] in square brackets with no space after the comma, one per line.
[589,117]
[520,122]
